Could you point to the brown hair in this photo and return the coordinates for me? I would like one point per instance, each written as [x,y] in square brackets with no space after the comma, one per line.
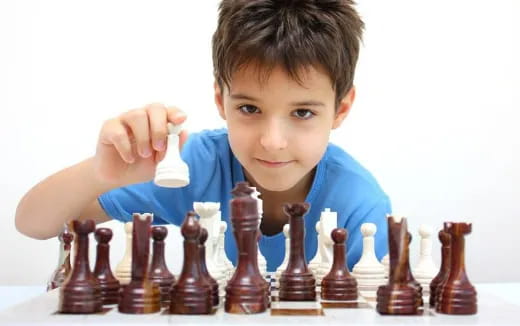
[291,34]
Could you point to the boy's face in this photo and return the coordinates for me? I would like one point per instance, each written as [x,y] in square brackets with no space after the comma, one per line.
[279,128]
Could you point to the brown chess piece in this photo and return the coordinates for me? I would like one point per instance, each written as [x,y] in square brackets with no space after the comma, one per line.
[297,282]
[457,296]
[80,293]
[399,296]
[411,280]
[191,294]
[63,270]
[159,273]
[338,284]
[108,283]
[246,290]
[140,296]
[204,269]
[445,240]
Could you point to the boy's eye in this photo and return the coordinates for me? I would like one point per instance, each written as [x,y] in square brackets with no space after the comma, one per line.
[248,109]
[303,114]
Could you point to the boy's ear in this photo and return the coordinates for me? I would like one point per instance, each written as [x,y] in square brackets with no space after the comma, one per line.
[219,100]
[344,108]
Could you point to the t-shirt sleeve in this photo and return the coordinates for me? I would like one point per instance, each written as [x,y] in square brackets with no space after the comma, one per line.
[374,212]
[168,205]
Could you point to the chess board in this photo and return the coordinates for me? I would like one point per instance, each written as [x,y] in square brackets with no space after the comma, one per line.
[42,310]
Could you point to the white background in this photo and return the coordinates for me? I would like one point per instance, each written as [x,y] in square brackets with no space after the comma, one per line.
[435,118]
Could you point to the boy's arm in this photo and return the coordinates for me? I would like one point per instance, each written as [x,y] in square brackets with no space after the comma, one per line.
[69,194]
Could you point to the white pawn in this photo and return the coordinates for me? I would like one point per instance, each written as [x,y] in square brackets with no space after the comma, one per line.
[283,265]
[172,171]
[328,222]
[262,263]
[124,268]
[316,261]
[222,261]
[369,272]
[386,262]
[425,269]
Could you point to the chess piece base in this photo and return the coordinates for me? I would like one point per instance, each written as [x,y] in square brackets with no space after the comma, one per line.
[139,298]
[297,287]
[397,299]
[80,299]
[457,301]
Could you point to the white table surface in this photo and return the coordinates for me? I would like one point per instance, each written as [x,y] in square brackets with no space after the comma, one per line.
[498,304]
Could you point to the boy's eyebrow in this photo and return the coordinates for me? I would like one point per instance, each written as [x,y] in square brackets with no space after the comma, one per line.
[240,96]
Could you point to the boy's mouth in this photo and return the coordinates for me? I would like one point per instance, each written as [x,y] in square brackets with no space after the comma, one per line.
[274,164]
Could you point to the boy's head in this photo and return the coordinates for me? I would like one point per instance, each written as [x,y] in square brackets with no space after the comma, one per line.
[284,78]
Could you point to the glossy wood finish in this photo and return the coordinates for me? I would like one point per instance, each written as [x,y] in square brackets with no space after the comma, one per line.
[108,283]
[339,284]
[63,269]
[297,283]
[457,296]
[191,294]
[159,273]
[246,291]
[442,276]
[80,293]
[140,296]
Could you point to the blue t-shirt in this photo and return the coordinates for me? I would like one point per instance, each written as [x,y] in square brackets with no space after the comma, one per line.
[340,183]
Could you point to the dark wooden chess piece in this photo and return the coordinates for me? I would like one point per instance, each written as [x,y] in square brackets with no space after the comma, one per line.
[80,293]
[63,270]
[399,296]
[191,294]
[445,240]
[338,284]
[457,296]
[159,273]
[108,283]
[411,280]
[204,269]
[140,296]
[297,282]
[246,290]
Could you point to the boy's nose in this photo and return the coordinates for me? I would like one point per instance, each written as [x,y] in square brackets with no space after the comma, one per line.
[273,137]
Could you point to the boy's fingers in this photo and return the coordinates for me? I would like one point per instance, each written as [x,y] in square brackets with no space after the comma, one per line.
[120,139]
[175,115]
[157,116]
[137,121]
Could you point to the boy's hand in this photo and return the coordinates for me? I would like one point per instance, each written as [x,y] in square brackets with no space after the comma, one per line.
[131,145]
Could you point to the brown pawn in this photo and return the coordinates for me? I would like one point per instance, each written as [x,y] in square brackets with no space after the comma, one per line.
[204,269]
[159,273]
[246,291]
[338,284]
[192,293]
[140,296]
[63,270]
[297,282]
[457,296]
[445,239]
[411,280]
[108,283]
[399,296]
[80,293]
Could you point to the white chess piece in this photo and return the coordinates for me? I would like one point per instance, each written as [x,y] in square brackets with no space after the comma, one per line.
[123,271]
[262,263]
[208,213]
[316,261]
[222,261]
[329,221]
[283,265]
[425,269]
[369,272]
[172,171]
[386,262]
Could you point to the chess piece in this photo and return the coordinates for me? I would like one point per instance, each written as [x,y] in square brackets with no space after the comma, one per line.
[328,222]
[262,263]
[159,273]
[297,282]
[411,280]
[445,240]
[191,294]
[124,268]
[386,263]
[80,293]
[222,261]
[172,171]
[247,291]
[283,266]
[399,296]
[140,296]
[368,271]
[425,270]
[109,285]
[63,270]
[204,270]
[316,261]
[338,284]
[457,296]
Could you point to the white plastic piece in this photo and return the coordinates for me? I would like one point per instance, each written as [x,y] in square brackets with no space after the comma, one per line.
[123,271]
[262,263]
[425,269]
[222,261]
[172,171]
[316,261]
[283,265]
[329,221]
[386,263]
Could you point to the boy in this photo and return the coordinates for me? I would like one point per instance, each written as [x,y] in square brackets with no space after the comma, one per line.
[283,79]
